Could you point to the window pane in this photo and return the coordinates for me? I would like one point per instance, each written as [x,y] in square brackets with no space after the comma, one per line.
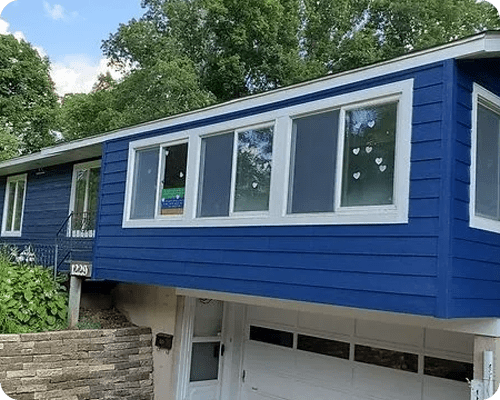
[271,336]
[253,171]
[10,206]
[174,180]
[94,178]
[368,164]
[144,186]
[312,179]
[448,369]
[386,358]
[19,205]
[205,361]
[327,347]
[487,171]
[207,318]
[215,175]
[82,176]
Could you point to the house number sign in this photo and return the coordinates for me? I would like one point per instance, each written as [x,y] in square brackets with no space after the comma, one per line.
[81,268]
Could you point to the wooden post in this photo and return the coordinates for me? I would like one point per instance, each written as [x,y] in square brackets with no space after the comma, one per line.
[75,293]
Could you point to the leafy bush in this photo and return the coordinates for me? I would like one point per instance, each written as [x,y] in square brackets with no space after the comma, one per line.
[30,299]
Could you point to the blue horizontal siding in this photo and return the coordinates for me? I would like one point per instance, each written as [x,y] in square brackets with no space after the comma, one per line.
[384,267]
[475,289]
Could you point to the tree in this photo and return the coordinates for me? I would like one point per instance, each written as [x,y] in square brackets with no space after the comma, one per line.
[238,48]
[28,102]
[83,115]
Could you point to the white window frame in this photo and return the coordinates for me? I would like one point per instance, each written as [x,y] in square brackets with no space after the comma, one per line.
[77,167]
[482,96]
[282,121]
[10,179]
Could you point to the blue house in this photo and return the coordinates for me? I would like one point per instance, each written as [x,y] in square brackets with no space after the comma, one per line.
[336,239]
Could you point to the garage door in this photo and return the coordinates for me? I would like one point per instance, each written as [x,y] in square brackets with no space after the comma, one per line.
[297,355]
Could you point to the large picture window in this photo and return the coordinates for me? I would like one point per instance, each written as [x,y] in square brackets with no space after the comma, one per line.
[13,208]
[485,190]
[336,161]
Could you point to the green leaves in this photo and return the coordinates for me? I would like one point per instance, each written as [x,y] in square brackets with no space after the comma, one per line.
[30,300]
[28,103]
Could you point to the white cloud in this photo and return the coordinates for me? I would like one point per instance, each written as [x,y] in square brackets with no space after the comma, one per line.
[78,73]
[4,27]
[73,74]
[57,12]
[4,30]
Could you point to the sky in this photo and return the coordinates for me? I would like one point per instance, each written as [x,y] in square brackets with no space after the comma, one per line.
[70,33]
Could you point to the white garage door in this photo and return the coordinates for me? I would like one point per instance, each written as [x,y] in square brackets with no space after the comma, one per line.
[302,356]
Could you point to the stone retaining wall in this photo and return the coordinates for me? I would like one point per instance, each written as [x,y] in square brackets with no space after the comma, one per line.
[78,365]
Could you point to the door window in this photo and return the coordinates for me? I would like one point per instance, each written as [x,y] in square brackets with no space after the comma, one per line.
[85,195]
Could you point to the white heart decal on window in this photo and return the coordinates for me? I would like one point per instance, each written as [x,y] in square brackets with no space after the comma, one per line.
[254,184]
[371,123]
[356,175]
[356,151]
[181,174]
[382,168]
[379,160]
[368,149]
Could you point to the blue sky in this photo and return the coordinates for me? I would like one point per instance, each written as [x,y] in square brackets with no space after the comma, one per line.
[69,32]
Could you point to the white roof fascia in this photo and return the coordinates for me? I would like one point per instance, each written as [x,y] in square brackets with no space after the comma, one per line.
[484,44]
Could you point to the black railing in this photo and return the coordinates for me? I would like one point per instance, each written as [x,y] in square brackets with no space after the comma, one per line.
[74,240]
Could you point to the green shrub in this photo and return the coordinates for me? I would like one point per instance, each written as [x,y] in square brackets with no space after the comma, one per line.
[30,299]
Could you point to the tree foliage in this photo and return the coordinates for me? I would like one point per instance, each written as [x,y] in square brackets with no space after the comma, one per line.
[186,54]
[239,47]
[28,102]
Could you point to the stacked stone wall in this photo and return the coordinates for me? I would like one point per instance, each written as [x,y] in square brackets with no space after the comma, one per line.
[78,365]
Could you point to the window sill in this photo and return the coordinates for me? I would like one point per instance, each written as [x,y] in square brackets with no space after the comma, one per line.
[376,215]
[12,234]
[484,224]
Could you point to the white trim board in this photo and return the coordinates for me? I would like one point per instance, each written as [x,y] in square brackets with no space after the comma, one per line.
[486,44]
[477,326]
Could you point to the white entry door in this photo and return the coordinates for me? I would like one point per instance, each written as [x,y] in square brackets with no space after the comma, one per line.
[206,349]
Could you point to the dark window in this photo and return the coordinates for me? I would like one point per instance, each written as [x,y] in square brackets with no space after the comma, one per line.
[386,358]
[174,180]
[327,347]
[271,336]
[215,175]
[448,369]
[312,175]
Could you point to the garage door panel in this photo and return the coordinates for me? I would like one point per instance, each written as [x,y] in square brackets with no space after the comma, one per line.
[272,315]
[385,383]
[407,335]
[443,389]
[449,341]
[269,383]
[316,391]
[324,368]
[326,323]
[268,357]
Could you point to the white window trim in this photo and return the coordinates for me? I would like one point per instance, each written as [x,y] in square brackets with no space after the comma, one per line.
[282,120]
[10,179]
[76,168]
[486,98]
